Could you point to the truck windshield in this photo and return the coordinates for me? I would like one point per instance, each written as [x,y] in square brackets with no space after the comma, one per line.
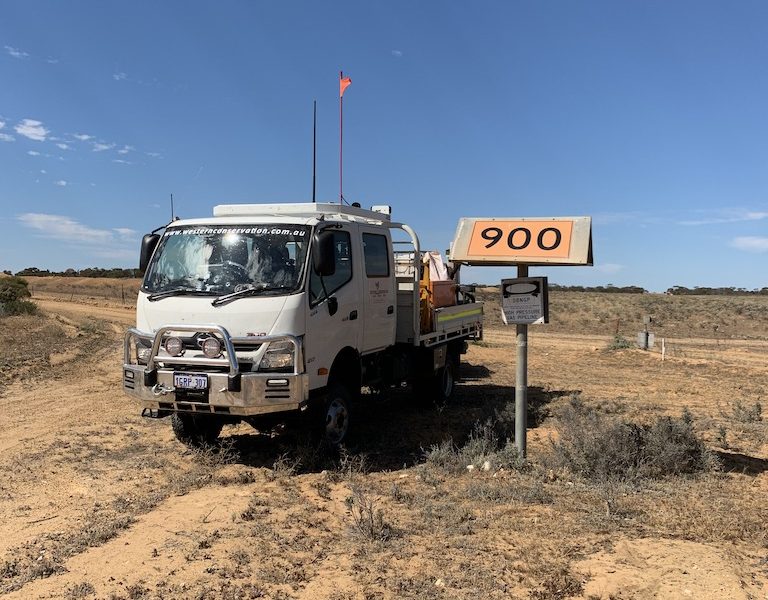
[223,259]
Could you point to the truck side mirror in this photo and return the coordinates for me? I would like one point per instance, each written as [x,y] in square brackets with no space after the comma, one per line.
[148,245]
[323,255]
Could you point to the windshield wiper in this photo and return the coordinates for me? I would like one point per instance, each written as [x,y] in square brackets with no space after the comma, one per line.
[249,291]
[168,293]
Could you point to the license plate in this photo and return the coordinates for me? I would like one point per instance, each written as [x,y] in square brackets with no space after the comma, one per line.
[190,381]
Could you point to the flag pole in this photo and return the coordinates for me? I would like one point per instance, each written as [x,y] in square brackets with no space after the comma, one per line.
[341,139]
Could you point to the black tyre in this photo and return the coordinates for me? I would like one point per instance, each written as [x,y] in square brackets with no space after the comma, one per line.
[335,415]
[195,430]
[437,388]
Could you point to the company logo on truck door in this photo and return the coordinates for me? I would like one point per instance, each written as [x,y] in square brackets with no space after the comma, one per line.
[378,291]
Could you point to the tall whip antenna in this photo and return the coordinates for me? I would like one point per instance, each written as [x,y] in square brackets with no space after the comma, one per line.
[314,150]
[173,215]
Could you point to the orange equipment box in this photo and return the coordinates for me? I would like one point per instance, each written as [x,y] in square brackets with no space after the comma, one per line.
[442,293]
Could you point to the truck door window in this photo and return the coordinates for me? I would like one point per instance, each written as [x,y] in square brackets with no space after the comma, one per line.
[342,250]
[376,255]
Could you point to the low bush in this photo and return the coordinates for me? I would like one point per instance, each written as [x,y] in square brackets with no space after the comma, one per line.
[367,519]
[483,449]
[17,307]
[13,288]
[13,294]
[747,414]
[605,449]
[619,342]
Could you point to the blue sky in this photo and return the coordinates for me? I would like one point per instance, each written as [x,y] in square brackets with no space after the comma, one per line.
[650,117]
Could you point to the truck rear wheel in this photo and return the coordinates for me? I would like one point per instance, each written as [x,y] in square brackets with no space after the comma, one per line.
[195,431]
[437,388]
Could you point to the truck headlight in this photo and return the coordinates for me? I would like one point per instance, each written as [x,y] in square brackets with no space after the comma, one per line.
[142,351]
[279,356]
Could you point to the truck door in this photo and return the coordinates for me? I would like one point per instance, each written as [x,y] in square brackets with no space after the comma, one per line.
[334,320]
[378,290]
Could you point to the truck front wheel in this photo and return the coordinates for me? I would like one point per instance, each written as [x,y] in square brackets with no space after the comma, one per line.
[336,415]
[195,431]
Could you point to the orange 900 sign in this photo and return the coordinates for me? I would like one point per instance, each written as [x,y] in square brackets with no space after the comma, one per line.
[521,238]
[546,241]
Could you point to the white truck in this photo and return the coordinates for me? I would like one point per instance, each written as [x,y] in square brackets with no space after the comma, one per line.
[267,311]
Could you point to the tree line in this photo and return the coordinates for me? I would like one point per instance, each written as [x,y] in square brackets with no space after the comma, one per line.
[116,273]
[607,289]
[677,290]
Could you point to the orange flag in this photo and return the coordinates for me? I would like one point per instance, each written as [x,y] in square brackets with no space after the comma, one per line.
[344,83]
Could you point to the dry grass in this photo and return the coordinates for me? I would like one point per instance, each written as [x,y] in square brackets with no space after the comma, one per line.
[400,514]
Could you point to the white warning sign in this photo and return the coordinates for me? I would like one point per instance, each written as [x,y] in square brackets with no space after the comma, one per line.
[524,301]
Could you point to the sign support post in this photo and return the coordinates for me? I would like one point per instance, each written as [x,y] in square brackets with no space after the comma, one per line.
[521,381]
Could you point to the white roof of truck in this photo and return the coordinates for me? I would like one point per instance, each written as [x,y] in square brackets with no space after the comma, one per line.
[308,210]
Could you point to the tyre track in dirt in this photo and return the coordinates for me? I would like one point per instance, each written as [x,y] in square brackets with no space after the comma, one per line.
[70,447]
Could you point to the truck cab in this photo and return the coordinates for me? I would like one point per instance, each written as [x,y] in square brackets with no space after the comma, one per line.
[267,310]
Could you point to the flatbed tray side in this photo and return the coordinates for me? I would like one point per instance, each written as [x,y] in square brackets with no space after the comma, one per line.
[451,322]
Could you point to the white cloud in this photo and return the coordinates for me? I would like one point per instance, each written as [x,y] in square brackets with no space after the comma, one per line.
[751,243]
[121,161]
[119,76]
[126,149]
[66,229]
[101,147]
[83,137]
[34,130]
[52,61]
[63,146]
[397,53]
[125,233]
[60,183]
[33,153]
[729,216]
[154,154]
[16,53]
[43,171]
[5,137]
[608,268]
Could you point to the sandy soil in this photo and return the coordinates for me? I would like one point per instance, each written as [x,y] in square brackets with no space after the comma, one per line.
[98,502]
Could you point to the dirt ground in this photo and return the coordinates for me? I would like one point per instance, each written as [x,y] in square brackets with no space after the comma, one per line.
[100,503]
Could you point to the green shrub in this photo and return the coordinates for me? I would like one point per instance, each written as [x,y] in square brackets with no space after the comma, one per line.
[17,307]
[605,449]
[619,342]
[13,291]
[13,288]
